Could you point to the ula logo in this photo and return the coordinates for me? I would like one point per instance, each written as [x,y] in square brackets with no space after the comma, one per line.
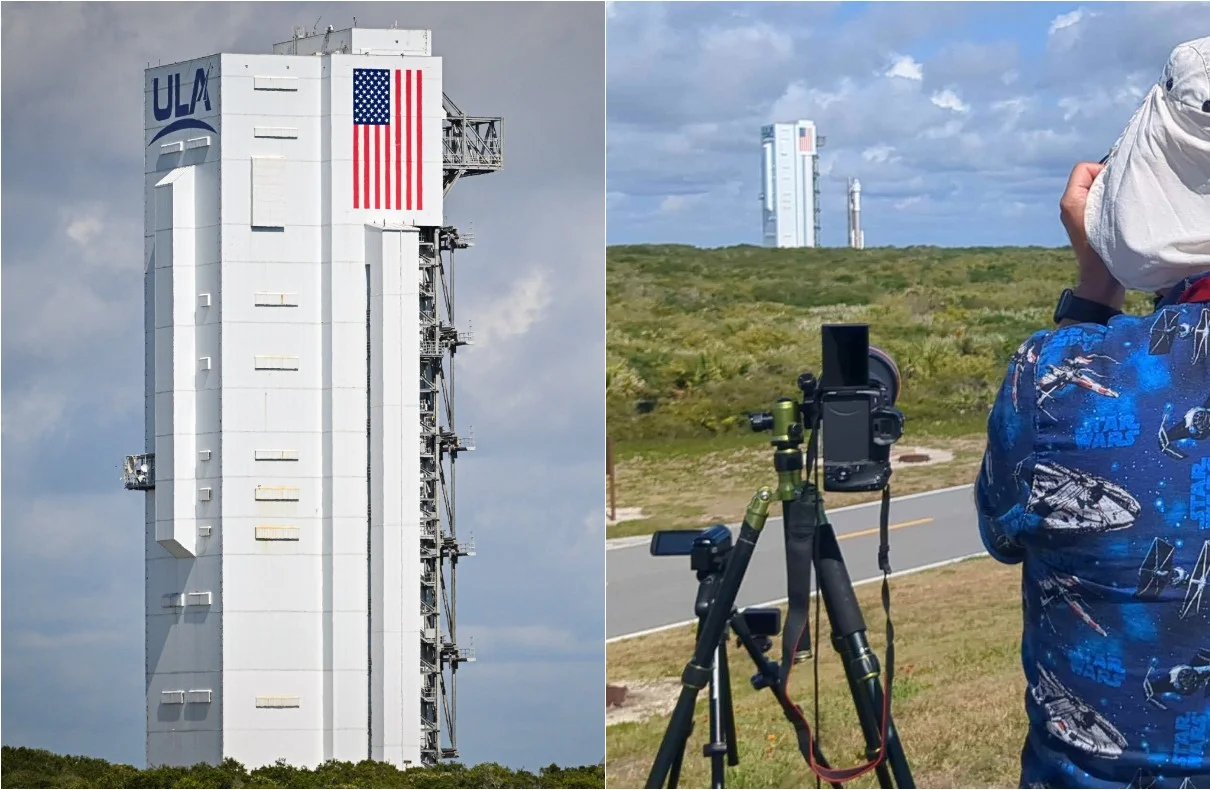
[176,105]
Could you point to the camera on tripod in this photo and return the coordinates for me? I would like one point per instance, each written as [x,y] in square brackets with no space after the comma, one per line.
[854,401]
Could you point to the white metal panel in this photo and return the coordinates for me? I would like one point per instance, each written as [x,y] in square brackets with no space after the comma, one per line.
[269,192]
[270,408]
[250,255]
[276,584]
[270,640]
[348,363]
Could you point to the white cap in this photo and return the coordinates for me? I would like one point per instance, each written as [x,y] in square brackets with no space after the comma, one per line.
[1148,212]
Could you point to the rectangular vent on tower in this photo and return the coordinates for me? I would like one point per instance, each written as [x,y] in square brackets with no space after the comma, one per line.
[277,493]
[204,531]
[271,299]
[276,455]
[198,695]
[203,455]
[280,132]
[277,362]
[275,83]
[278,702]
[198,598]
[203,494]
[277,533]
[172,697]
[173,601]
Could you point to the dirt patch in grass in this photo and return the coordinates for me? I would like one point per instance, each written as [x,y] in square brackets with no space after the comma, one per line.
[644,699]
[958,693]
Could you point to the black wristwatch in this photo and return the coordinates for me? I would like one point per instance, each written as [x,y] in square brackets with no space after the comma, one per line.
[1083,311]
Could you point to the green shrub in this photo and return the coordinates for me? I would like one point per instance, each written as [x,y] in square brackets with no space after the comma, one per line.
[23,767]
[706,335]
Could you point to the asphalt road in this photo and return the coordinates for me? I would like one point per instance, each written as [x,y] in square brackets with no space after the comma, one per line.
[645,593]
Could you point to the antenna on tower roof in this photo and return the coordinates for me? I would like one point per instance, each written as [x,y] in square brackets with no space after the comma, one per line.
[315,27]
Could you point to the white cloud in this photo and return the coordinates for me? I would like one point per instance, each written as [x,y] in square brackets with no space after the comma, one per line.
[84,229]
[33,413]
[879,154]
[1063,21]
[515,313]
[906,67]
[951,128]
[674,203]
[541,639]
[948,100]
[760,41]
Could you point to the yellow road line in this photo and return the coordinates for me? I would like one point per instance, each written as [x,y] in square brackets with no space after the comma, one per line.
[874,531]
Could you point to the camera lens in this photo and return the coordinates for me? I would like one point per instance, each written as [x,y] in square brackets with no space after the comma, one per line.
[884,373]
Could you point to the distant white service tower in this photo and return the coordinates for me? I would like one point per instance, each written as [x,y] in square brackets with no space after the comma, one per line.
[790,184]
[856,234]
[300,442]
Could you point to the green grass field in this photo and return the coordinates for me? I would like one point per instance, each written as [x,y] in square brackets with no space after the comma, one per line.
[695,339]
[958,693]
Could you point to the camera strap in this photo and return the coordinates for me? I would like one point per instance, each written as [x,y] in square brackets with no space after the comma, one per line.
[806,742]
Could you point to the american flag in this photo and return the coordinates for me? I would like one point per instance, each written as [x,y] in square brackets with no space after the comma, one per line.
[388,139]
[804,140]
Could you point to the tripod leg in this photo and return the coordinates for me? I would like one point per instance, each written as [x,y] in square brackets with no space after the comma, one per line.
[716,749]
[697,671]
[726,707]
[860,663]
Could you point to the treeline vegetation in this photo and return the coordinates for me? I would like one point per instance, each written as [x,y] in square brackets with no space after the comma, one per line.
[695,338]
[22,767]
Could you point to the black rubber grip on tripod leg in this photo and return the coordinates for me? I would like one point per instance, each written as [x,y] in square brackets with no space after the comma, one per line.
[800,530]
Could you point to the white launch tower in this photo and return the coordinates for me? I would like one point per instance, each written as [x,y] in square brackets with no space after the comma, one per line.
[790,184]
[856,234]
[300,442]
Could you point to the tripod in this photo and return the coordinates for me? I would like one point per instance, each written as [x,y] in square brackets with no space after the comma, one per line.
[722,714]
[806,528]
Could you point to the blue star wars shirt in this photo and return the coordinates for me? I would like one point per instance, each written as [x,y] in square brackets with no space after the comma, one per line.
[1097,480]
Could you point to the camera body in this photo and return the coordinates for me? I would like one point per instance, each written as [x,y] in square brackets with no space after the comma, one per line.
[856,401]
[707,548]
[853,402]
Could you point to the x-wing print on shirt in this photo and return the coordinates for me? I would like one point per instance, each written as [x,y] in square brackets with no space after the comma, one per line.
[1061,588]
[1168,327]
[1073,371]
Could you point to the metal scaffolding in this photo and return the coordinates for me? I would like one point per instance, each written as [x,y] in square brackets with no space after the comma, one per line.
[472,146]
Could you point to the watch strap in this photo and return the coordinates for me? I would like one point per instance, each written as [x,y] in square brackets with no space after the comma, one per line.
[1081,310]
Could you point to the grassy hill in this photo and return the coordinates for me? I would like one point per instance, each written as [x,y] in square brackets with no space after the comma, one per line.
[22,767]
[696,338]
[705,335]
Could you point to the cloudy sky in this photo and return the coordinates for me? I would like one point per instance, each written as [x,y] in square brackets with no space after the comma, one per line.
[532,386]
[962,120]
